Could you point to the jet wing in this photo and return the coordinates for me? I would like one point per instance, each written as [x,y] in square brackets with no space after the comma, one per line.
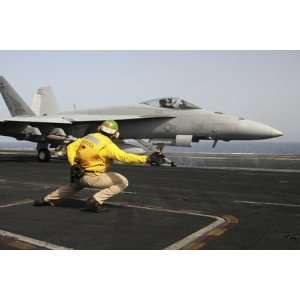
[73,119]
[33,120]
[98,118]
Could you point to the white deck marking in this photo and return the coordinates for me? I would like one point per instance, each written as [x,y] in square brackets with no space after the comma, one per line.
[95,189]
[197,234]
[16,203]
[175,246]
[232,156]
[30,183]
[27,239]
[32,241]
[248,156]
[50,185]
[245,169]
[268,203]
[191,237]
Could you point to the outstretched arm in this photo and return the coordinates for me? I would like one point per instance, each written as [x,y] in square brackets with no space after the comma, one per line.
[115,153]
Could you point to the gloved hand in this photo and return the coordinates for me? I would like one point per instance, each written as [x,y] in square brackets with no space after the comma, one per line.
[76,172]
[156,158]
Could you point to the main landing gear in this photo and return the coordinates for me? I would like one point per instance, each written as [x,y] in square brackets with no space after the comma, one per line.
[44,154]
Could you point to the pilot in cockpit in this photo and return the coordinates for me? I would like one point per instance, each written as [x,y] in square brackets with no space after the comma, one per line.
[167,103]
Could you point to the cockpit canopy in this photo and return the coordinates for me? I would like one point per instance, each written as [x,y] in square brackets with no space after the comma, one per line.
[171,103]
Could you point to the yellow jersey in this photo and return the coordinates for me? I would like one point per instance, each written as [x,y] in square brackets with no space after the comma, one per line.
[95,153]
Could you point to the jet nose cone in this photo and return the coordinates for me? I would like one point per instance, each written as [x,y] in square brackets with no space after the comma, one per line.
[276,133]
[256,130]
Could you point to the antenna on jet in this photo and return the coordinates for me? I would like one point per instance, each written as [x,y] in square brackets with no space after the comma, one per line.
[74,107]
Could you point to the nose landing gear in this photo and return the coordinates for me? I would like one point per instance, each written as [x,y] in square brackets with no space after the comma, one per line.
[159,148]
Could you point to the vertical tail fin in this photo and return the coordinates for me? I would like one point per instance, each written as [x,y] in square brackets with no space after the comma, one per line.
[44,101]
[14,102]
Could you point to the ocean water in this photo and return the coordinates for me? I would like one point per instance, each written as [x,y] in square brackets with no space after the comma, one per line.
[258,147]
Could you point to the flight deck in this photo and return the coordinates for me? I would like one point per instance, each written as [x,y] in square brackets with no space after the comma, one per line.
[210,201]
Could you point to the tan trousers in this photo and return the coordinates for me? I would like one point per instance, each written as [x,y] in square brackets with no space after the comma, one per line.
[109,183]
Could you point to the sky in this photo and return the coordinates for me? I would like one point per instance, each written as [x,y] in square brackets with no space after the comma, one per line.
[259,85]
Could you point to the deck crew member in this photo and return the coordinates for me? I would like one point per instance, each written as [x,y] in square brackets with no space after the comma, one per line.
[90,158]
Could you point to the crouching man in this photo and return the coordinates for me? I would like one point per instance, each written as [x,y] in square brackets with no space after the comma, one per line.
[90,158]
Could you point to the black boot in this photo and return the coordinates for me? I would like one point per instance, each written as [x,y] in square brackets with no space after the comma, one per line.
[42,202]
[93,206]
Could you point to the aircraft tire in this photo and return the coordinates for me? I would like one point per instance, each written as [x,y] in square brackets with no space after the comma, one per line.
[44,155]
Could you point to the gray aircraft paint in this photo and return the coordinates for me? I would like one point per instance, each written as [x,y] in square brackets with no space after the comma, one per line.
[197,122]
[14,102]
[141,121]
[44,102]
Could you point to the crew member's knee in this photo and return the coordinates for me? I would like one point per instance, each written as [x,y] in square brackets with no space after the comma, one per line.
[124,182]
[118,180]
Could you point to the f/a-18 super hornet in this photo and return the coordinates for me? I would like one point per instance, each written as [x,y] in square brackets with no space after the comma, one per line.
[162,121]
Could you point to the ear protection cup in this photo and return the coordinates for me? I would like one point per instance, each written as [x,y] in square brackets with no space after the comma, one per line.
[117,135]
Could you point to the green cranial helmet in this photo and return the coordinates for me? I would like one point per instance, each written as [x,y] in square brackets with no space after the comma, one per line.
[109,127]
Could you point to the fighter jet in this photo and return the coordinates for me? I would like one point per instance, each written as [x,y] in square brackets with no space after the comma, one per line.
[162,121]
